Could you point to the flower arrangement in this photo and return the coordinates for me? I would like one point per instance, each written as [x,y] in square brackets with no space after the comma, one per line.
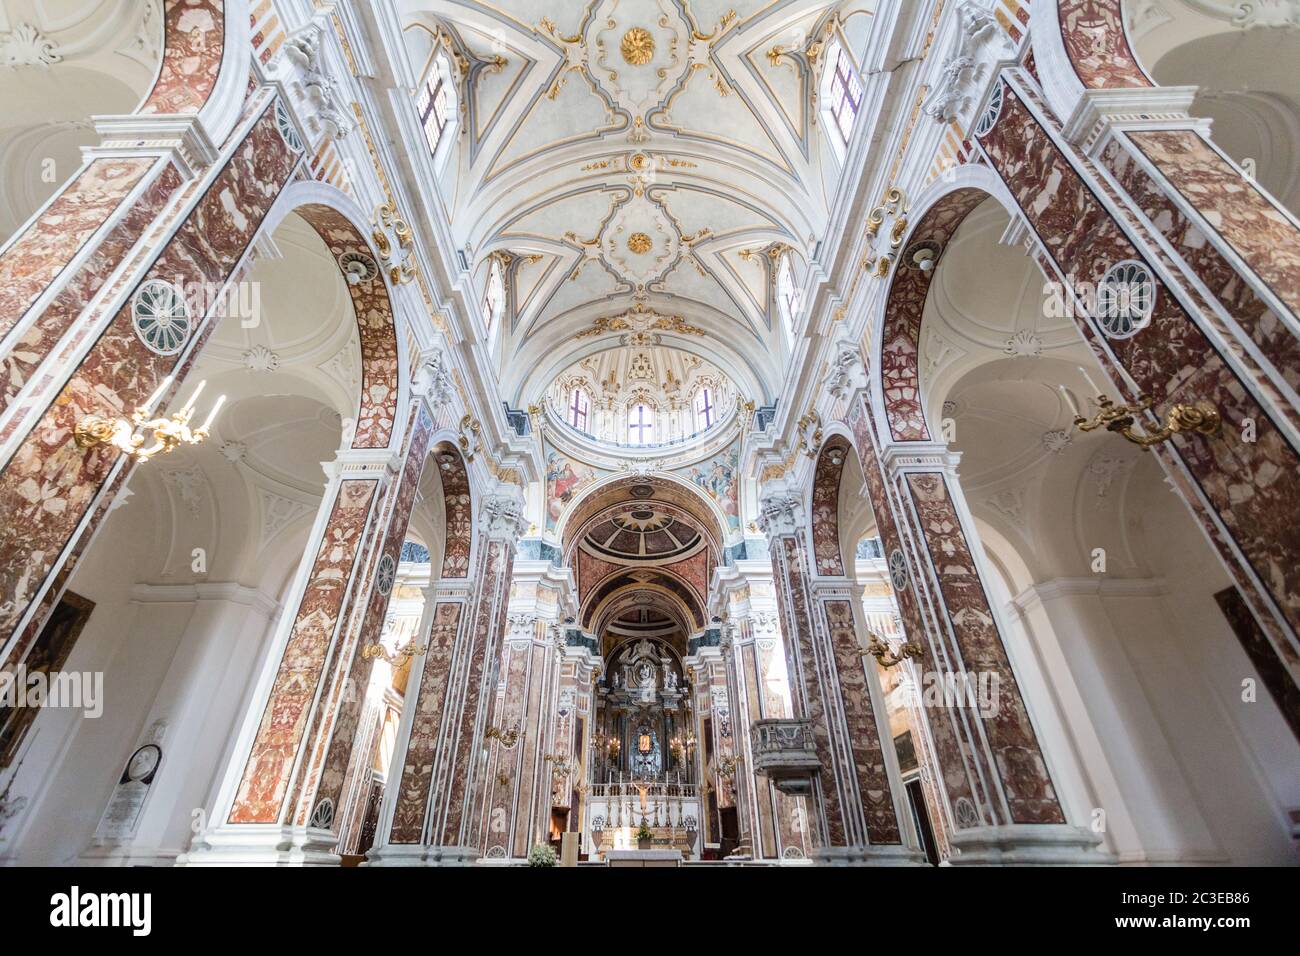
[541,855]
[643,834]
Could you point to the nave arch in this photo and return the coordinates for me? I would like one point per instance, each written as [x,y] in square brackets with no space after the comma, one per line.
[1094,556]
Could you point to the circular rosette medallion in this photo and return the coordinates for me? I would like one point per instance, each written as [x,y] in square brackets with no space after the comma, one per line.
[160,317]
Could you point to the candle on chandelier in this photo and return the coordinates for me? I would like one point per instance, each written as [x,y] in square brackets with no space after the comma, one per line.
[158,394]
[189,406]
[1070,398]
[213,414]
[1097,392]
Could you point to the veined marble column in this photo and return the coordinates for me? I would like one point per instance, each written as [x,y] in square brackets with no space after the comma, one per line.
[776,823]
[858,813]
[296,779]
[254,813]
[579,668]
[429,817]
[1001,804]
[533,697]
[520,770]
[717,749]
[1210,334]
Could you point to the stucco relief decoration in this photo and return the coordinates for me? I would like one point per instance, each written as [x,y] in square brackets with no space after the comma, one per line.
[847,370]
[434,379]
[638,52]
[306,69]
[980,44]
[24,45]
[637,46]
[780,512]
[640,241]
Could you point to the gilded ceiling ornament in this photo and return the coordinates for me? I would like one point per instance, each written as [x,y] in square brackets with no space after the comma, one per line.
[639,243]
[638,46]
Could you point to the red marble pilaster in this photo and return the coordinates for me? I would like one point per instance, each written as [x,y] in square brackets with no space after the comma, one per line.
[964,765]
[517,772]
[851,801]
[260,797]
[333,733]
[48,485]
[1249,479]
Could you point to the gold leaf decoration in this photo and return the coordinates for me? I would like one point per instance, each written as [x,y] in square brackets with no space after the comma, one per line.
[638,46]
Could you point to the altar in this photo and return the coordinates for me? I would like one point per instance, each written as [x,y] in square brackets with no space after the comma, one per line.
[643,858]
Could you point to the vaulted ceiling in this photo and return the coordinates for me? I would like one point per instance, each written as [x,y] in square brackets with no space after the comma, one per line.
[634,158]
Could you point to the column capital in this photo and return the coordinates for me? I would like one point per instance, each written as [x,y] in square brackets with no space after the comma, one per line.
[927,456]
[432,380]
[848,372]
[182,136]
[1146,107]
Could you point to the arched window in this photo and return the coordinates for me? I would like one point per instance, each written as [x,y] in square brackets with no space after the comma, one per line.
[787,295]
[640,424]
[579,408]
[494,299]
[843,94]
[704,408]
[436,103]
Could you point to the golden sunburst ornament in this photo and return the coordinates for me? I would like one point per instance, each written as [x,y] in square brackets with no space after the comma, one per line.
[639,243]
[638,46]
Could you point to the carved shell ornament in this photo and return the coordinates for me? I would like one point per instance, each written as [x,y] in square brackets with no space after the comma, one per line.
[638,46]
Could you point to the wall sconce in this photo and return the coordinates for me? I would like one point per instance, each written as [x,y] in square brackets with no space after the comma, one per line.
[398,657]
[128,435]
[560,766]
[887,658]
[508,738]
[1201,417]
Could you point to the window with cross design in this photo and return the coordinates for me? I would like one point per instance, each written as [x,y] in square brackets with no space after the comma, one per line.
[704,408]
[640,424]
[579,408]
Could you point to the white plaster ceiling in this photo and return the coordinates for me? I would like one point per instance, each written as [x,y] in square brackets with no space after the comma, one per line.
[300,336]
[1244,62]
[569,150]
[993,358]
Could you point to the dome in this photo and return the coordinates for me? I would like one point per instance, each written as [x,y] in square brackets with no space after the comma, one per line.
[641,396]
